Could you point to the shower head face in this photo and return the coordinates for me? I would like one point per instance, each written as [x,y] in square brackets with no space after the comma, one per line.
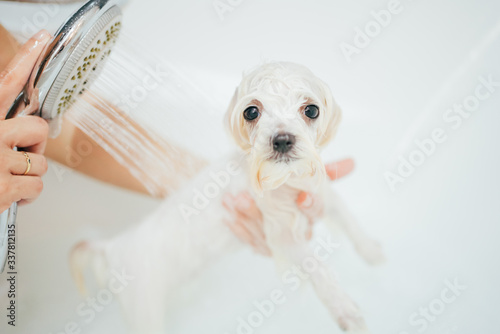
[74,58]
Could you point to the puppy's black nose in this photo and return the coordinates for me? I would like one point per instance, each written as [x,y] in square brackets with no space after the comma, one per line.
[283,142]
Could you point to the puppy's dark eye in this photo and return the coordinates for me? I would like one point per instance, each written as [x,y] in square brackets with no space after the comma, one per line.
[251,113]
[311,111]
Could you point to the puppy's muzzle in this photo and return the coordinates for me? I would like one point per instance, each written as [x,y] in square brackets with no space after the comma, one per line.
[283,142]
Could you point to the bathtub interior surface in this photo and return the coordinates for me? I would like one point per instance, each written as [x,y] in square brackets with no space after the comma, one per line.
[441,224]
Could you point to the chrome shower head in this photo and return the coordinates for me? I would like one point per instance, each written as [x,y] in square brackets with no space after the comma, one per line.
[65,69]
[71,61]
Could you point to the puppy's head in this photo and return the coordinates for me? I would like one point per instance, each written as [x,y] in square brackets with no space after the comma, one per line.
[282,115]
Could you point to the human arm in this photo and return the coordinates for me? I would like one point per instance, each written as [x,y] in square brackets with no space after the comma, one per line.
[96,161]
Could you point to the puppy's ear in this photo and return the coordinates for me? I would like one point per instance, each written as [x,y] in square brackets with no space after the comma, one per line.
[330,118]
[235,124]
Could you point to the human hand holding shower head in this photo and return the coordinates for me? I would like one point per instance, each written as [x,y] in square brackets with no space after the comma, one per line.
[65,69]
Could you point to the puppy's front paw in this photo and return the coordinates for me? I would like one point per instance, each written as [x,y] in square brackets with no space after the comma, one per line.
[371,251]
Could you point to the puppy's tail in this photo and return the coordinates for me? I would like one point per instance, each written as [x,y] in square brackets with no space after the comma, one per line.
[83,254]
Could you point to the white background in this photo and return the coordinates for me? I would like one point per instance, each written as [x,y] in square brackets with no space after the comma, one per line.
[441,223]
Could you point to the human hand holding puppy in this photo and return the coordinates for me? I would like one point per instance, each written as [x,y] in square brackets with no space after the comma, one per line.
[246,222]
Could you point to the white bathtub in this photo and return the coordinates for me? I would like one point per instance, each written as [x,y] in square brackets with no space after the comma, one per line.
[441,224]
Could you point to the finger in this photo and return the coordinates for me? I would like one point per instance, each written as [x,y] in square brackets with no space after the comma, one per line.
[241,232]
[16,74]
[29,132]
[234,224]
[38,164]
[228,202]
[305,200]
[247,206]
[247,221]
[336,170]
[242,205]
[263,249]
[25,188]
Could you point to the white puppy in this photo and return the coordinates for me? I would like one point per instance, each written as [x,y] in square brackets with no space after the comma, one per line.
[281,115]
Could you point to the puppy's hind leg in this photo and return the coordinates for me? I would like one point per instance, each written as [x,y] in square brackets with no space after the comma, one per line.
[337,214]
[87,253]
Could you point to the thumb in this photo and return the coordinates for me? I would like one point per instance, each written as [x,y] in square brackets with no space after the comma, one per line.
[338,169]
